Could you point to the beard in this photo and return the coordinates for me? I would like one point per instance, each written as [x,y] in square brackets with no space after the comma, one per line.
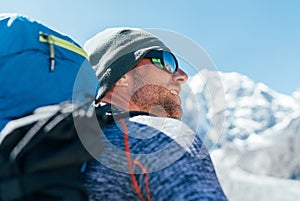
[155,99]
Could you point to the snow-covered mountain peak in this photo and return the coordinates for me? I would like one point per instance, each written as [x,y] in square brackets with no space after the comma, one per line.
[296,95]
[255,143]
[249,109]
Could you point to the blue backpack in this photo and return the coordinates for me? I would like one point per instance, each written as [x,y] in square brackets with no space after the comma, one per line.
[38,66]
[41,154]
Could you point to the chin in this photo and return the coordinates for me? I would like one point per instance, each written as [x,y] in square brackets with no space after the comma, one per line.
[176,113]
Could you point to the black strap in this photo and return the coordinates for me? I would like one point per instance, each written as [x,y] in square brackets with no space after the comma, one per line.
[30,165]
[10,189]
[44,173]
[110,113]
[20,187]
[50,122]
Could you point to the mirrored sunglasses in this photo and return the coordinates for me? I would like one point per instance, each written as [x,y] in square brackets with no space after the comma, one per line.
[163,60]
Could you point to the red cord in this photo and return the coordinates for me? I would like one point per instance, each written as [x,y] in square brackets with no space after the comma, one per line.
[145,171]
[130,164]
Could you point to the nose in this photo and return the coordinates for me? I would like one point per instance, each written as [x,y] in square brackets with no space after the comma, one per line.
[180,76]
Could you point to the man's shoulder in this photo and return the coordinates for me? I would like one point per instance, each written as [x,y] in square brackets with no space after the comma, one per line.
[154,133]
[172,128]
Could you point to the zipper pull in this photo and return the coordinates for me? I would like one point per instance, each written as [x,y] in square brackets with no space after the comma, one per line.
[51,43]
[52,54]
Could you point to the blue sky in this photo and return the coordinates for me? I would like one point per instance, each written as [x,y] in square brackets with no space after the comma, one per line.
[260,39]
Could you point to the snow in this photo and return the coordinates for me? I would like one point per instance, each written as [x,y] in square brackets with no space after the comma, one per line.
[256,146]
[239,184]
[296,95]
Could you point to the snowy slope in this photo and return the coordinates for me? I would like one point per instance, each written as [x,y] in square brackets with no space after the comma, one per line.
[239,184]
[257,150]
[250,108]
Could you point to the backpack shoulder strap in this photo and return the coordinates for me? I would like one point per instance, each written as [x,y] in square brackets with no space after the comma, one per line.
[32,154]
[38,115]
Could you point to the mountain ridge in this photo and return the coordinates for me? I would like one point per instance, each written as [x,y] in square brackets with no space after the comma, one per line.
[256,146]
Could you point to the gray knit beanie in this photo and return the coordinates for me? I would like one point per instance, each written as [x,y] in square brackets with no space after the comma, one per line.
[115,51]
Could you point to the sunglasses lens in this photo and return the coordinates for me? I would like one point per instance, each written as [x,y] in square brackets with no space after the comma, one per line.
[169,62]
[163,60]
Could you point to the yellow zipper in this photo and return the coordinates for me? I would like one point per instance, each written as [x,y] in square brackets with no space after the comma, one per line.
[54,40]
[51,39]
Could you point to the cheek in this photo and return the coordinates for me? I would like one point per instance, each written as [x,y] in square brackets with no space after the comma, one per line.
[150,75]
[157,77]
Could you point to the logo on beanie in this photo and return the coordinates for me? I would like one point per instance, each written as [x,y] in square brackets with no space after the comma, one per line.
[106,74]
[138,54]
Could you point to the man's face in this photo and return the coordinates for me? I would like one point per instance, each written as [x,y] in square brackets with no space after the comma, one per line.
[155,90]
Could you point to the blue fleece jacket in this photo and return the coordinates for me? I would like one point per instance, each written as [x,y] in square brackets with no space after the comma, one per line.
[172,163]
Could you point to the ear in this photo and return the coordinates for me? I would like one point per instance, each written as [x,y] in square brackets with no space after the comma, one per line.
[123,82]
